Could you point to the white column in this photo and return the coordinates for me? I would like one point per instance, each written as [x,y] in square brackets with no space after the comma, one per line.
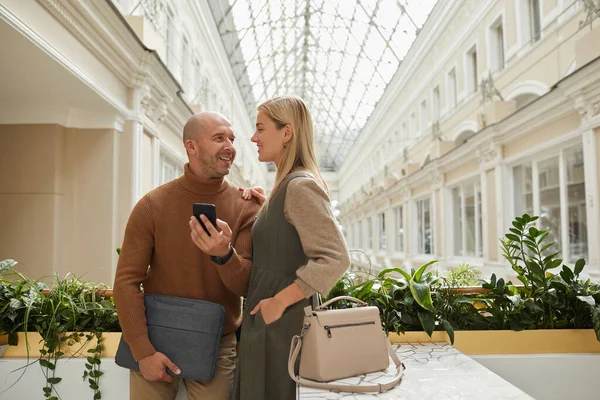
[155,161]
[138,132]
[564,206]
[389,231]
[484,217]
[536,190]
[590,162]
[434,219]
[501,203]
[446,219]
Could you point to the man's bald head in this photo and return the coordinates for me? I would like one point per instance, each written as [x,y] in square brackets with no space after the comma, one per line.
[199,123]
[208,139]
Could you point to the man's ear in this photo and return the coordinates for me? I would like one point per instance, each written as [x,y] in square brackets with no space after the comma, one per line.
[190,146]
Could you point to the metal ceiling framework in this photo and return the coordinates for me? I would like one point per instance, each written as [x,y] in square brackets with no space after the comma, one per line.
[338,55]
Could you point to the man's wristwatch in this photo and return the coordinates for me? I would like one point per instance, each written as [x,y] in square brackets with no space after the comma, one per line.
[223,260]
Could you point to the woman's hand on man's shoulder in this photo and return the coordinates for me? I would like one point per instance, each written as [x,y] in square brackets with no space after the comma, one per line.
[257,192]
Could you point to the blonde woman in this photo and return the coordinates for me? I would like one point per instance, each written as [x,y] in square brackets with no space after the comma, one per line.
[297,250]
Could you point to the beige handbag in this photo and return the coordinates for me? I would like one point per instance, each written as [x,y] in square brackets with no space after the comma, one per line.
[339,344]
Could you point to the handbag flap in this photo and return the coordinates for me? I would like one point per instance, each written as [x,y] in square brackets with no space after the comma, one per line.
[347,316]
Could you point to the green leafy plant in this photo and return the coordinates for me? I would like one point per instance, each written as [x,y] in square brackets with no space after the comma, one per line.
[548,297]
[548,300]
[62,314]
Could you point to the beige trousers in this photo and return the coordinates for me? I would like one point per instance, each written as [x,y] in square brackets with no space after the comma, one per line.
[219,388]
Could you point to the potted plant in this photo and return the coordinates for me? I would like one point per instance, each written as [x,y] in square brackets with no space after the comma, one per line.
[552,305]
[68,316]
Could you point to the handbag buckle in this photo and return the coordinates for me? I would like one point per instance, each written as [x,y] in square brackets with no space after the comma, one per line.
[305,328]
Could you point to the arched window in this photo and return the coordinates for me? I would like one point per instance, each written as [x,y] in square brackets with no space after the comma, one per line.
[524,99]
[463,137]
[526,92]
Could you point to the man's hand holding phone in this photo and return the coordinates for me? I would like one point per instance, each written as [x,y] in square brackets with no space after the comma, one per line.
[210,241]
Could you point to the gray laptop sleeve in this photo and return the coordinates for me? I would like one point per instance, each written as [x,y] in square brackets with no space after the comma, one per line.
[187,331]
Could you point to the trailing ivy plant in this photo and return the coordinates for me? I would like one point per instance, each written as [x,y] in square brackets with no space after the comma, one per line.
[92,367]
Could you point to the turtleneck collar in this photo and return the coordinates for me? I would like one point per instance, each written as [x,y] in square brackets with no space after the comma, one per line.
[190,182]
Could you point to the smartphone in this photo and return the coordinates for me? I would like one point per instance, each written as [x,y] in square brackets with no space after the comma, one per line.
[208,210]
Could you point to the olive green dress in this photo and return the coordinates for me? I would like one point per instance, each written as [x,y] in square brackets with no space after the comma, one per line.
[263,352]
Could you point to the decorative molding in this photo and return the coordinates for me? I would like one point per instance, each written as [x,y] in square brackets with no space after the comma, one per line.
[488,152]
[593,11]
[595,108]
[69,14]
[57,8]
[489,90]
[436,177]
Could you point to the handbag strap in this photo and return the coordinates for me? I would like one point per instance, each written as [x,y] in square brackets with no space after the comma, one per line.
[355,300]
[380,387]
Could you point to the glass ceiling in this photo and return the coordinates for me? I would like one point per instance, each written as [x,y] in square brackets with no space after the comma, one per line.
[338,55]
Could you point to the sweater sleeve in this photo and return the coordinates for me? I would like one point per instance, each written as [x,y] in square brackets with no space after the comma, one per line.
[132,267]
[308,208]
[235,273]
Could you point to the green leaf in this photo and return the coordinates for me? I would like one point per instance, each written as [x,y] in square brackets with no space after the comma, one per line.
[579,264]
[422,295]
[47,390]
[417,275]
[518,225]
[554,264]
[550,257]
[559,285]
[595,311]
[53,381]
[91,351]
[587,299]
[53,398]
[449,330]
[512,237]
[46,364]
[427,321]
[13,339]
[524,280]
[97,395]
[398,270]
[515,231]
[533,231]
[567,274]
[96,374]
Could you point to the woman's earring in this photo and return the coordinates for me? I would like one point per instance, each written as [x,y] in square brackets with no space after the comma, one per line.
[285,145]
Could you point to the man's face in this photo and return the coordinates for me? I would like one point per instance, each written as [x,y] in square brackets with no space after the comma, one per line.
[215,152]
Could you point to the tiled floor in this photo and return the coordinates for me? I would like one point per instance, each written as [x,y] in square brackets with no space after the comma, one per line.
[433,371]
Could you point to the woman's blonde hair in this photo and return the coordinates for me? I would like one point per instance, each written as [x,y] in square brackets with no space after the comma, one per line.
[299,152]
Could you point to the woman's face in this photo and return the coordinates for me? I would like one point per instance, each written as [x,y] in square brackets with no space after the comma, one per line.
[269,139]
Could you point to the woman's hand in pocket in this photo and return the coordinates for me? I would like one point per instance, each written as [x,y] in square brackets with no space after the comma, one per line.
[270,308]
[256,192]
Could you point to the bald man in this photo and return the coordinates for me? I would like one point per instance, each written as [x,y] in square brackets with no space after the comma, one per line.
[161,232]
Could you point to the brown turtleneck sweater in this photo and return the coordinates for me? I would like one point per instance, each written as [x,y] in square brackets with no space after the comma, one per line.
[158,234]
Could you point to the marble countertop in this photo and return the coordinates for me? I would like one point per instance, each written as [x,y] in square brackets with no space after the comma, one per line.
[433,371]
